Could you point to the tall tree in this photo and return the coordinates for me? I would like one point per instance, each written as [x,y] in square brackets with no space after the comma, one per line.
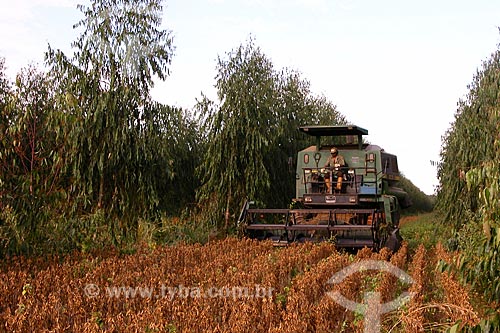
[28,184]
[239,130]
[253,135]
[106,85]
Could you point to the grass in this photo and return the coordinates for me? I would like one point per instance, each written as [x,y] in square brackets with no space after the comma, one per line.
[426,229]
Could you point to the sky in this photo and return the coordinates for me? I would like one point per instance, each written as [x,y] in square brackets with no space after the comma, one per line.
[394,67]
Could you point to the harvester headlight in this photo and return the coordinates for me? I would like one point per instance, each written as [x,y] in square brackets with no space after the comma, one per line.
[352,199]
[308,199]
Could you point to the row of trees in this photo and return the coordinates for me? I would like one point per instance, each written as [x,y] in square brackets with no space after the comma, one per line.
[469,175]
[86,155]
[421,202]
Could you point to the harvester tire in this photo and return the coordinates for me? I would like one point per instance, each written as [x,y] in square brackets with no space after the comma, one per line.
[394,240]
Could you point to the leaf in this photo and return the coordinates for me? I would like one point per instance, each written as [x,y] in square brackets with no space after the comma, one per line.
[455,328]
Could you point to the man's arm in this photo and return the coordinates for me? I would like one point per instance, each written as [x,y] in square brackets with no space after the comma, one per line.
[328,162]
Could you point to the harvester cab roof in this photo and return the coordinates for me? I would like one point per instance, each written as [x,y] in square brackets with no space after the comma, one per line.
[350,132]
[333,130]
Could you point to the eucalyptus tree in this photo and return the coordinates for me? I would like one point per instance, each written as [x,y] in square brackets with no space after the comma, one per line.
[112,160]
[239,131]
[252,136]
[28,186]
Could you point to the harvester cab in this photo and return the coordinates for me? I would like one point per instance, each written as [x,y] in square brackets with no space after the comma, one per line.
[361,209]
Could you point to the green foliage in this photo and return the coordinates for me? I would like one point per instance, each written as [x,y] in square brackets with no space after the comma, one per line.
[427,229]
[469,176]
[29,178]
[86,158]
[421,202]
[252,137]
[122,45]
[239,131]
[478,266]
[188,229]
[480,262]
[177,131]
[486,325]
[114,154]
[469,143]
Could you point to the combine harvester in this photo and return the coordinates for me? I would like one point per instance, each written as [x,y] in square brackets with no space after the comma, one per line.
[355,205]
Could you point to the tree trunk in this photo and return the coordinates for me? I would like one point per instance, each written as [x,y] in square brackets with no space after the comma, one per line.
[101,192]
[226,217]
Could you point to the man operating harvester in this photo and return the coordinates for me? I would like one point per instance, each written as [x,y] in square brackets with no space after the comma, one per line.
[335,162]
